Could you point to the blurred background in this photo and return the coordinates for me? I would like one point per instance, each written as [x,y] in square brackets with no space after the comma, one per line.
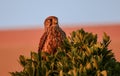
[21,25]
[29,13]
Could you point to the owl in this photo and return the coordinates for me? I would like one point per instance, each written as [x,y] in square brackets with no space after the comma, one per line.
[52,37]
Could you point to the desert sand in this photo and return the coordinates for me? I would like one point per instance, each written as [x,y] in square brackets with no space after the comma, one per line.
[22,41]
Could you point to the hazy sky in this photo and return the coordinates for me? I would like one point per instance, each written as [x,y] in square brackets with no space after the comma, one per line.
[31,13]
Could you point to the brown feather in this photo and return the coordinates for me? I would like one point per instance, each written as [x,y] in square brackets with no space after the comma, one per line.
[53,36]
[42,41]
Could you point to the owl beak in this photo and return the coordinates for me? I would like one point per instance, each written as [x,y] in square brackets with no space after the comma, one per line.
[56,21]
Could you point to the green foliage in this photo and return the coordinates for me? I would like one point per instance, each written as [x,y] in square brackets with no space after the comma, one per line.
[80,55]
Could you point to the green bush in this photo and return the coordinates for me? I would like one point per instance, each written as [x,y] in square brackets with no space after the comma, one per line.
[80,55]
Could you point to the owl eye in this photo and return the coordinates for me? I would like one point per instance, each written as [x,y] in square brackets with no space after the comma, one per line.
[47,23]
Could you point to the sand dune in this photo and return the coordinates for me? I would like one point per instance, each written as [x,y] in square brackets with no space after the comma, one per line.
[16,42]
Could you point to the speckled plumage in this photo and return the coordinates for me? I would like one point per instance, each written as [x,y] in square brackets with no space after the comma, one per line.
[52,37]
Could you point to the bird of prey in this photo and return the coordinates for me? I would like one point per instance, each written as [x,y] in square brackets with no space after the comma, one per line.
[52,37]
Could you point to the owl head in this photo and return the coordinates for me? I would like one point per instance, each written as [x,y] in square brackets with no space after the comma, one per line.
[51,21]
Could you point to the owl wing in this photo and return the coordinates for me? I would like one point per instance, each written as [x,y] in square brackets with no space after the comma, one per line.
[63,33]
[42,41]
